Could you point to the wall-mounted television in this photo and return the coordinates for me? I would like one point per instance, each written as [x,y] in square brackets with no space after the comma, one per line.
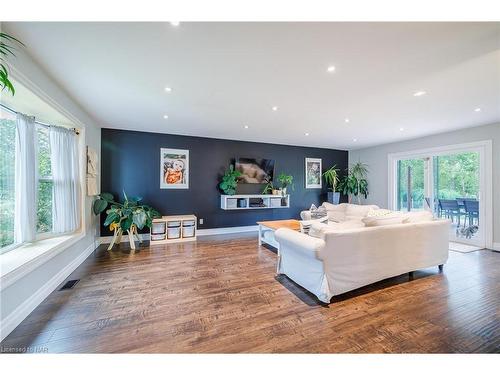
[254,171]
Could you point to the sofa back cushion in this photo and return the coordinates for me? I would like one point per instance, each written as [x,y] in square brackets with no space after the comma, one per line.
[357,211]
[336,212]
[418,217]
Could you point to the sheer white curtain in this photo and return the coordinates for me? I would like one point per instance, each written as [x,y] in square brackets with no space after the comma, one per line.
[64,163]
[26,179]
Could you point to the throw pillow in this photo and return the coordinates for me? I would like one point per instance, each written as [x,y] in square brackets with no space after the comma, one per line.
[317,212]
[380,217]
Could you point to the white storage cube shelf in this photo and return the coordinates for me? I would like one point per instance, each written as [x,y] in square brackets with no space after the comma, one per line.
[170,229]
[253,202]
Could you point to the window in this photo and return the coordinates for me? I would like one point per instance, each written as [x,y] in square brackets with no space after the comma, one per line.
[37,193]
[7,177]
[45,184]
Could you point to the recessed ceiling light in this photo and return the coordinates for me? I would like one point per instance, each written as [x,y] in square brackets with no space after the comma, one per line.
[347,120]
[168,89]
[419,93]
[165,117]
[401,129]
[306,134]
[330,69]
[477,110]
[275,108]
[355,140]
[175,23]
[246,126]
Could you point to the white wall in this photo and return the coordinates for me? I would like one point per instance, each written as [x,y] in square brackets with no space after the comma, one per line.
[19,298]
[376,158]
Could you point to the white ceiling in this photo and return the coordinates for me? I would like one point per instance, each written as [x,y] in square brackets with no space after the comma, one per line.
[227,75]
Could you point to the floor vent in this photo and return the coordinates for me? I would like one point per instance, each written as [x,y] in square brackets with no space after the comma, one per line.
[69,284]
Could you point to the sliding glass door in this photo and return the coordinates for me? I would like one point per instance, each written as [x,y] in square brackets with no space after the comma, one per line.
[411,184]
[451,183]
[456,184]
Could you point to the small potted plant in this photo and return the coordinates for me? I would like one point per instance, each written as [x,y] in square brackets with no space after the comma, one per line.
[331,176]
[230,181]
[285,180]
[269,188]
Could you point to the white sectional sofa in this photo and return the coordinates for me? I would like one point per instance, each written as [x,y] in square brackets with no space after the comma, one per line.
[359,246]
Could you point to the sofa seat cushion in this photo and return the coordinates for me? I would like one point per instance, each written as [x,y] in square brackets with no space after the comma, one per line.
[317,230]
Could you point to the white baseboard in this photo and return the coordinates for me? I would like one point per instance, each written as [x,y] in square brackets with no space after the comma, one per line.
[22,311]
[496,246]
[214,231]
[200,232]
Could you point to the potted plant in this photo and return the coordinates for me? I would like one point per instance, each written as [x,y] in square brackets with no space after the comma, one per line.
[229,181]
[286,181]
[355,183]
[331,176]
[269,188]
[128,216]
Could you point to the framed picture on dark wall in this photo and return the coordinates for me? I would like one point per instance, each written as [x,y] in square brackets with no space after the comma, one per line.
[313,173]
[174,169]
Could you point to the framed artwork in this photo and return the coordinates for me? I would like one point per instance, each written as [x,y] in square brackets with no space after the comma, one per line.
[174,169]
[313,173]
[92,172]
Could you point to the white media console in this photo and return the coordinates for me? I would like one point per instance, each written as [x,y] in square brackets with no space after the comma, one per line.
[253,201]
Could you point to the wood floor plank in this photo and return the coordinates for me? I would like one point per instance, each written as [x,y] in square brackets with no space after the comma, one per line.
[220,294]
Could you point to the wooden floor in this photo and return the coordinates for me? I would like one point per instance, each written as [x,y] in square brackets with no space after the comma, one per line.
[220,294]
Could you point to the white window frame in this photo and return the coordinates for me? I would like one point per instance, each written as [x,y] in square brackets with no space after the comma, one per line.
[82,166]
[484,148]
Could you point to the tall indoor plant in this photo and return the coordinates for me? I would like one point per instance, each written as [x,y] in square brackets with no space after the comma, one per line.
[331,176]
[7,43]
[355,183]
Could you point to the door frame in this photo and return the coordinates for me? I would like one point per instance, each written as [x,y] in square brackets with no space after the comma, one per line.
[484,148]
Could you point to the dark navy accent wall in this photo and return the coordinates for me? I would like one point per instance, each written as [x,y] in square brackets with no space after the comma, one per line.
[131,162]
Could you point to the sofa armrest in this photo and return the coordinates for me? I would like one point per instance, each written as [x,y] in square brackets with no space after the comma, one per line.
[290,240]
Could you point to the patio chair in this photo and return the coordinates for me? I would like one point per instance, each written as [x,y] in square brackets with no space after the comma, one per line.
[450,209]
[472,210]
